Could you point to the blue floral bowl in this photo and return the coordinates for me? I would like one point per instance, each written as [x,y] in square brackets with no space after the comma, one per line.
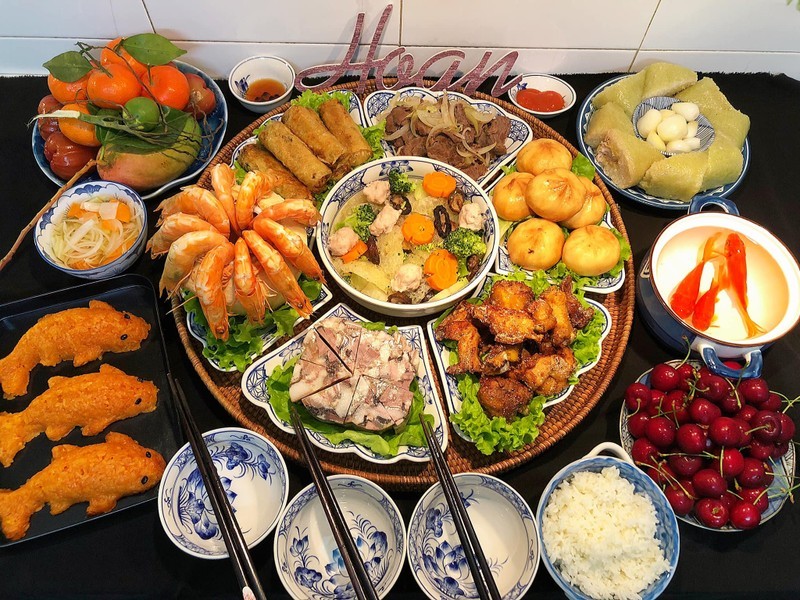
[505,527]
[306,556]
[253,475]
[45,227]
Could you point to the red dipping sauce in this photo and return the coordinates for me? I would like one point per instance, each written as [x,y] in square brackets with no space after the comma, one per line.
[539,101]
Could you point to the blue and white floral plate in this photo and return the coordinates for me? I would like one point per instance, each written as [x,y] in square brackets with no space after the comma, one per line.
[213,133]
[450,384]
[504,525]
[253,474]
[356,112]
[270,336]
[635,193]
[254,387]
[782,469]
[306,556]
[376,104]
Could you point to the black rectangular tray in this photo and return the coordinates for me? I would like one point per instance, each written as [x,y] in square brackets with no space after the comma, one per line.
[158,430]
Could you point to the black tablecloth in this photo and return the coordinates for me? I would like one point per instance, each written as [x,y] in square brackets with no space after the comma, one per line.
[127,555]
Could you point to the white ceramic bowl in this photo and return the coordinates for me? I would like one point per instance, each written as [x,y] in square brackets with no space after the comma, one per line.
[414,167]
[544,83]
[43,233]
[253,474]
[667,525]
[306,556]
[261,67]
[505,528]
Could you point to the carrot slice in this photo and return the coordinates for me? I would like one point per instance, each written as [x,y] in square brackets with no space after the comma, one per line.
[355,252]
[418,229]
[438,184]
[441,269]
[123,213]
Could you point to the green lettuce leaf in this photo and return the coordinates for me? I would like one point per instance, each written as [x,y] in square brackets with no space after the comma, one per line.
[374,135]
[582,166]
[624,254]
[314,100]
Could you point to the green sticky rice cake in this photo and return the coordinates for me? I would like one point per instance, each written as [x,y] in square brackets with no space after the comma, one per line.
[728,123]
[626,92]
[725,163]
[678,177]
[625,158]
[609,116]
[666,79]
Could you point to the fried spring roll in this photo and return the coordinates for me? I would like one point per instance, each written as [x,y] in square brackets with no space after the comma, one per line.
[341,124]
[306,124]
[295,155]
[255,157]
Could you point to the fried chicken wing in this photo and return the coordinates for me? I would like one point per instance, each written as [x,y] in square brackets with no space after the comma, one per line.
[503,397]
[458,326]
[546,374]
[563,333]
[509,326]
[511,294]
[499,358]
[579,315]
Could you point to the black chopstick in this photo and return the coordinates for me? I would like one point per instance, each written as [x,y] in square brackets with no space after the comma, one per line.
[231,533]
[362,586]
[481,574]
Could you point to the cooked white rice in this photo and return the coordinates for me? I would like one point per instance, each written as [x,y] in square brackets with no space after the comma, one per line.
[600,534]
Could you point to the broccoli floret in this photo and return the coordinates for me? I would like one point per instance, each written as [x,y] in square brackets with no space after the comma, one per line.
[399,183]
[463,243]
[359,220]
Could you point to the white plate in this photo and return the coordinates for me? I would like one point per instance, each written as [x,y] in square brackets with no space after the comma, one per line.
[450,384]
[635,193]
[269,337]
[520,134]
[783,469]
[254,387]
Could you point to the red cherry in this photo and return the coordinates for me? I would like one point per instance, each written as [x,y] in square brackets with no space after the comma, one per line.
[676,406]
[731,462]
[661,431]
[787,429]
[709,483]
[755,391]
[745,515]
[725,431]
[753,474]
[664,377]
[637,396]
[686,374]
[747,413]
[637,424]
[685,465]
[760,450]
[713,387]
[662,474]
[704,412]
[756,496]
[774,402]
[780,449]
[691,438]
[731,404]
[711,512]
[679,500]
[644,452]
[766,426]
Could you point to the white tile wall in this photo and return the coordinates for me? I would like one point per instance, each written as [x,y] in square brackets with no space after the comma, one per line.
[570,36]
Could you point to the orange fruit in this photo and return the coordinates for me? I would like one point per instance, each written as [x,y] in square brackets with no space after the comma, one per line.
[168,86]
[111,55]
[113,87]
[66,92]
[76,130]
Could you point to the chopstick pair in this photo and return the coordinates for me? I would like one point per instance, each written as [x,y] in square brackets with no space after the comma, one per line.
[362,585]
[231,533]
[481,574]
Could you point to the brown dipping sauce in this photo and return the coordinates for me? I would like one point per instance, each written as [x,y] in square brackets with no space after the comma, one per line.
[264,90]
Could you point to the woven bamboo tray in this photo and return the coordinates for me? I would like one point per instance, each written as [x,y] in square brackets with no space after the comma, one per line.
[461,455]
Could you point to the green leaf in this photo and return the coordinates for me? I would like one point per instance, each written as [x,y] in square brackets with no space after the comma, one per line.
[314,100]
[238,172]
[583,166]
[374,135]
[151,49]
[508,169]
[69,66]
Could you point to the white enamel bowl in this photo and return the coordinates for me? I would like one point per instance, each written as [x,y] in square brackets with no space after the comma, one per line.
[414,167]
[253,475]
[544,83]
[261,67]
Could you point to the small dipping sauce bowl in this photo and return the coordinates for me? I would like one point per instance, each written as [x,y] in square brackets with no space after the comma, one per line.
[544,83]
[256,68]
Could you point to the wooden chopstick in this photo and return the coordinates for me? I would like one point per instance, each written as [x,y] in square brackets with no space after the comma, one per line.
[231,533]
[481,574]
[362,586]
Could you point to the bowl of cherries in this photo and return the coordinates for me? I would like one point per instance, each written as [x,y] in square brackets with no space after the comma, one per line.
[721,449]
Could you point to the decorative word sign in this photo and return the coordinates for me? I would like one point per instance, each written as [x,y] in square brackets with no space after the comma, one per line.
[405,66]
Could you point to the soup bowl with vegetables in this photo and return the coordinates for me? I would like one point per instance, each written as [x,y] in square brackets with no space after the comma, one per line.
[95,230]
[408,237]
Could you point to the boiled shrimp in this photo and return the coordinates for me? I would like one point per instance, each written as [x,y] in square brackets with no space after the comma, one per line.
[222,180]
[207,278]
[197,201]
[254,186]
[182,255]
[173,227]
[302,211]
[290,244]
[277,273]
[248,288]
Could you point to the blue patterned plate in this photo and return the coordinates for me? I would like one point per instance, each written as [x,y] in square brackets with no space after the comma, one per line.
[635,193]
[253,474]
[450,384]
[520,134]
[270,336]
[504,525]
[254,387]
[213,133]
[783,469]
[306,556]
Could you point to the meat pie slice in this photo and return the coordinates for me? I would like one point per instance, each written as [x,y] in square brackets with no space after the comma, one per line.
[309,378]
[333,403]
[366,410]
[343,337]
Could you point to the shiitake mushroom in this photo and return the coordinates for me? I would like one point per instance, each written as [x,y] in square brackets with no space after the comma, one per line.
[474,264]
[373,254]
[401,203]
[455,202]
[441,221]
[399,298]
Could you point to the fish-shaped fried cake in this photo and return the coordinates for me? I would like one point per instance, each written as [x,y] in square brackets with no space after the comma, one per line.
[78,334]
[99,474]
[92,402]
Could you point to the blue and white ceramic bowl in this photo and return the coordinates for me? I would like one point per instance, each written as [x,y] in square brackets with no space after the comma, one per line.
[306,556]
[416,168]
[43,232]
[253,474]
[377,103]
[505,528]
[666,530]
[261,67]
[544,83]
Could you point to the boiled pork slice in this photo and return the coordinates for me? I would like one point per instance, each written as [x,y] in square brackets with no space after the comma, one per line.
[343,337]
[388,357]
[332,404]
[378,404]
[309,378]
